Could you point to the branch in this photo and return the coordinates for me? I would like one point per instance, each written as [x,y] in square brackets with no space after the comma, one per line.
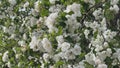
[90,10]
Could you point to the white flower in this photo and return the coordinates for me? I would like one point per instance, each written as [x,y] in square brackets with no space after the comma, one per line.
[33,44]
[108,52]
[115,8]
[46,57]
[105,45]
[5,29]
[11,29]
[86,1]
[98,41]
[47,45]
[0,2]
[51,19]
[87,24]
[55,8]
[113,2]
[9,64]
[13,36]
[51,66]
[26,4]
[75,37]
[92,2]
[102,66]
[69,66]
[52,29]
[76,50]
[95,25]
[33,21]
[118,58]
[52,1]
[42,65]
[34,12]
[97,61]
[98,48]
[86,32]
[108,35]
[17,56]
[30,57]
[114,62]
[90,58]
[12,2]
[75,8]
[103,22]
[81,64]
[49,22]
[22,9]
[36,44]
[22,43]
[56,57]
[5,57]
[65,46]
[69,55]
[60,39]
[72,23]
[103,26]
[61,55]
[0,54]
[97,13]
[14,49]
[101,55]
[117,54]
[24,36]
[37,6]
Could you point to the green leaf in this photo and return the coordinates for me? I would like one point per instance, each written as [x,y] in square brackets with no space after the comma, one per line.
[82,55]
[95,34]
[87,65]
[109,14]
[59,63]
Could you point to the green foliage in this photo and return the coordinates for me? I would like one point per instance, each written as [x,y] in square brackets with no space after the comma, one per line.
[87,65]
[109,14]
[58,64]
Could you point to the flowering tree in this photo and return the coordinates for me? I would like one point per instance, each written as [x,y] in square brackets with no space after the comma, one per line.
[59,34]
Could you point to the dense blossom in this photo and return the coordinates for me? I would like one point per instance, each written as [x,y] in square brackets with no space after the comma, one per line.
[5,57]
[60,34]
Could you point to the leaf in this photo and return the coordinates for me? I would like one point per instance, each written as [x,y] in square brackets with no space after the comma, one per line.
[59,63]
[97,1]
[82,55]
[87,65]
[109,14]
[95,34]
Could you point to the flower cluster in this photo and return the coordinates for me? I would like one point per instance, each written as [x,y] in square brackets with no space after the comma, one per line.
[59,34]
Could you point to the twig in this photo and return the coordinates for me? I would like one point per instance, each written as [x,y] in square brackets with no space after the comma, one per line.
[90,10]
